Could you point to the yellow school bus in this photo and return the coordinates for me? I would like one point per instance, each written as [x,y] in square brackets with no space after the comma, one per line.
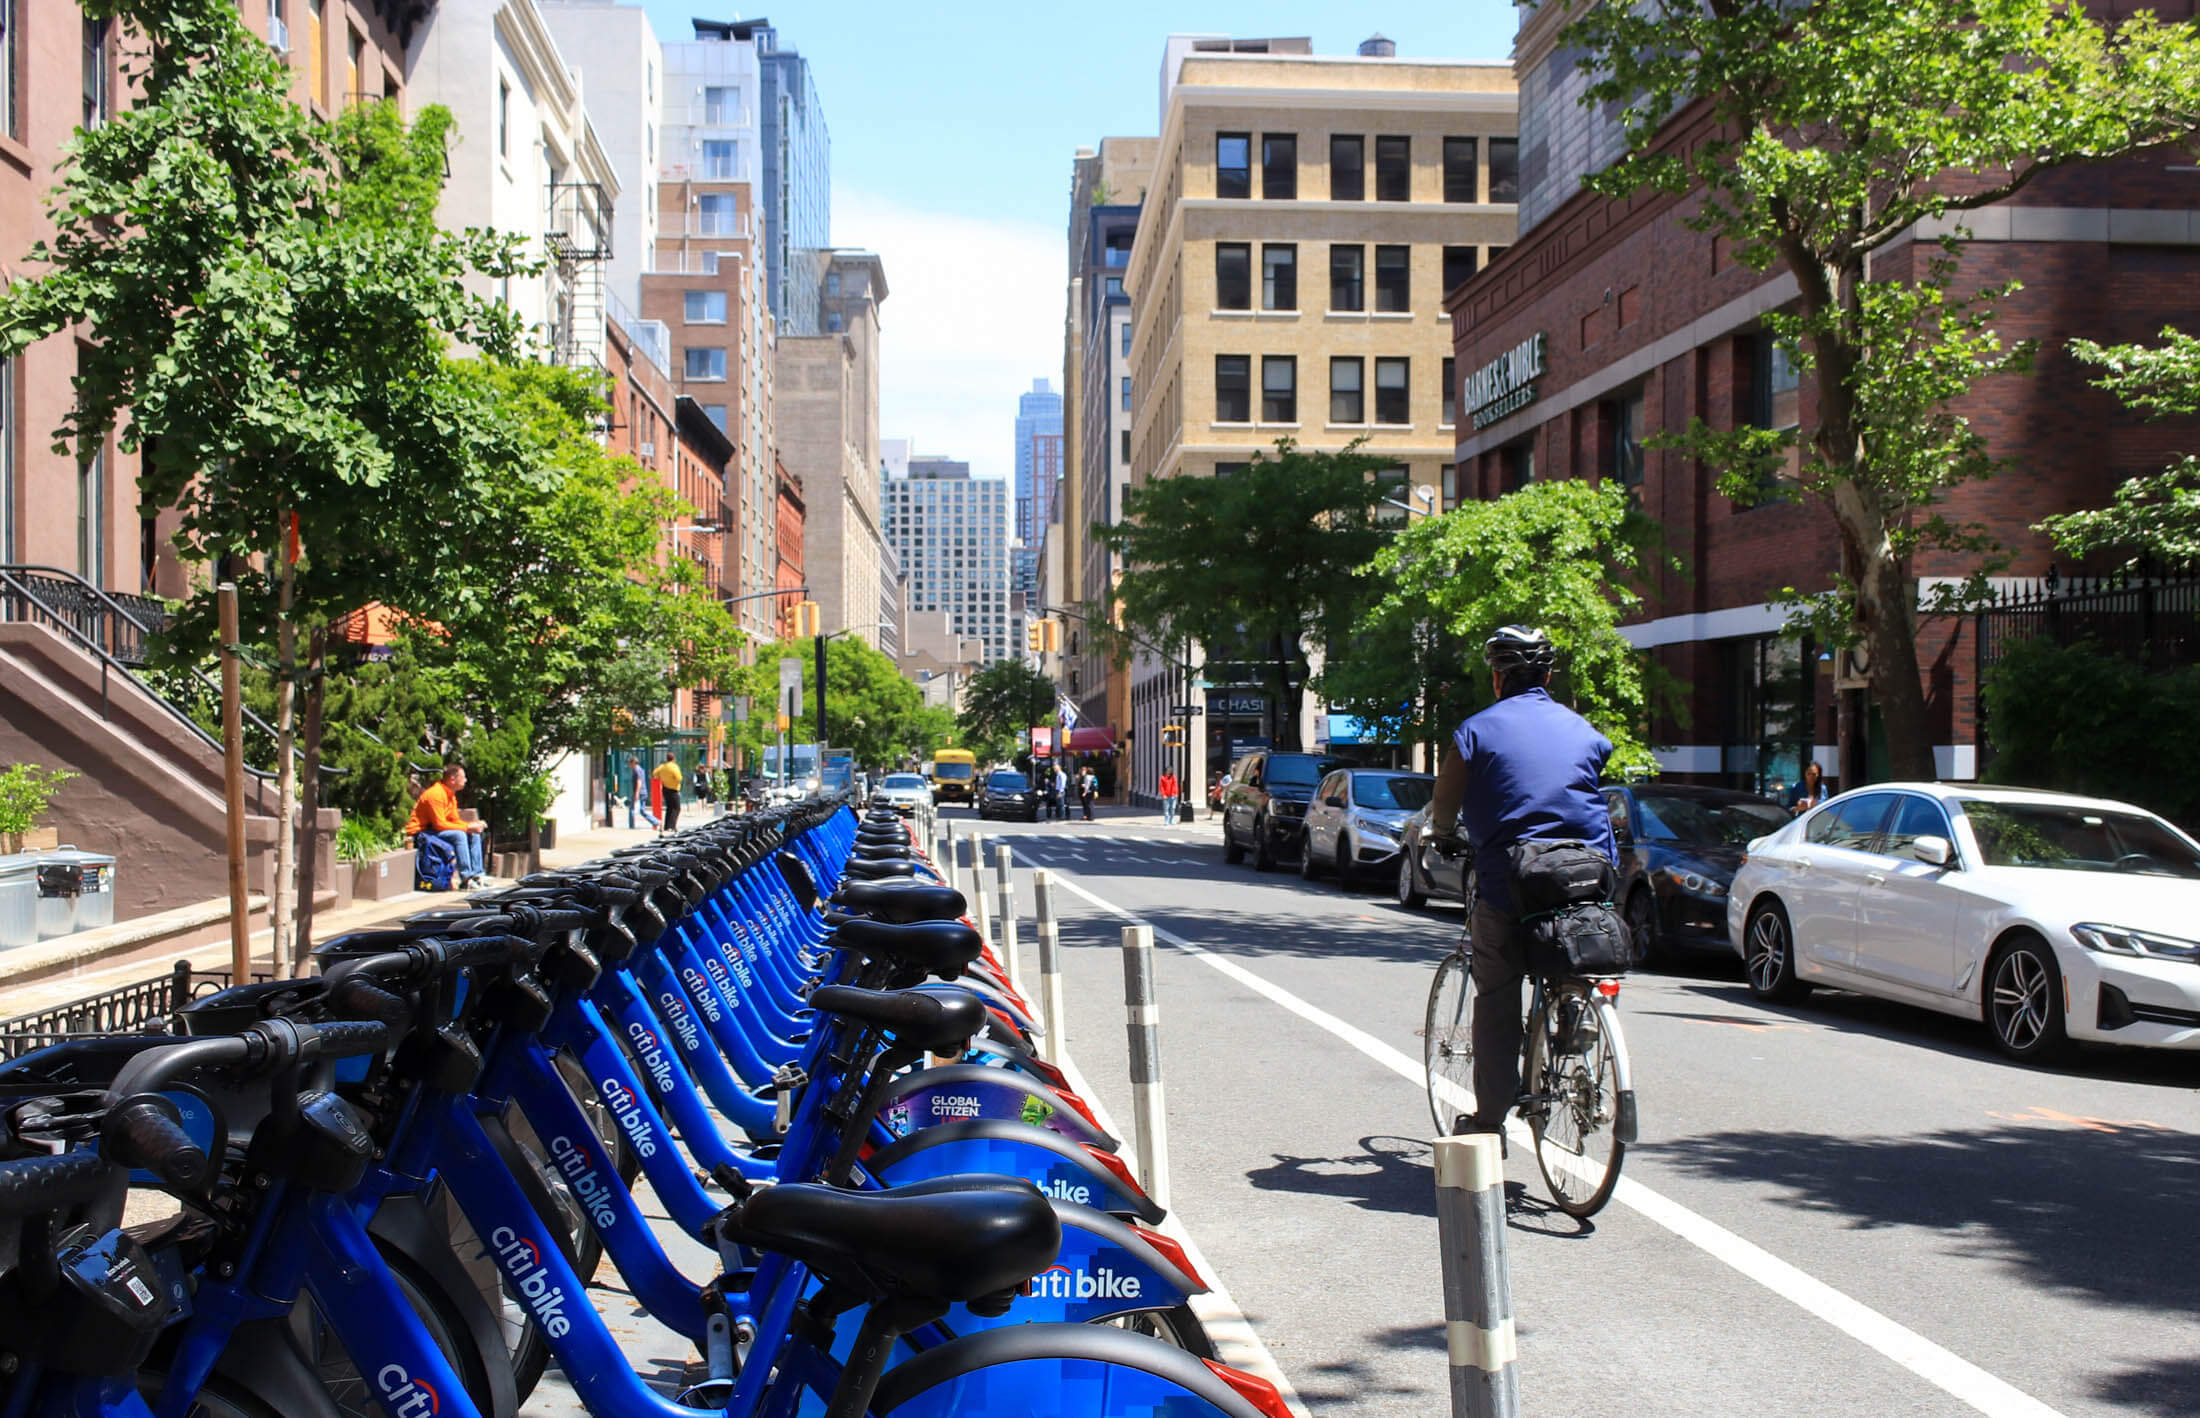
[954,775]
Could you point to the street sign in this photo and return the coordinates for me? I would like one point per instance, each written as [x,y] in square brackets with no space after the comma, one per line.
[790,685]
[1186,711]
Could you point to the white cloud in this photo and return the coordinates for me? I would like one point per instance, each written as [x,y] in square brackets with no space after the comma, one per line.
[973,314]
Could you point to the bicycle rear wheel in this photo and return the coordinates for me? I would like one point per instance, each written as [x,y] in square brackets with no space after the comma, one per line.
[1447,1043]
[1577,1100]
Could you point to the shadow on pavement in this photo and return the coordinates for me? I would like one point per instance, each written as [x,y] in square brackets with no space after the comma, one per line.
[2170,1388]
[1388,1174]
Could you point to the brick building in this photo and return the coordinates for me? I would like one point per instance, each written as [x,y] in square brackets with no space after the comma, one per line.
[787,547]
[1608,321]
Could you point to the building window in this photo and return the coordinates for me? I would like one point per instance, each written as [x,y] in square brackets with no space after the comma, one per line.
[355,50]
[1126,453]
[1394,169]
[1504,173]
[709,261]
[718,157]
[1233,388]
[1776,403]
[704,362]
[715,214]
[705,307]
[1393,391]
[1347,390]
[1451,391]
[1460,176]
[716,413]
[834,322]
[316,61]
[1394,278]
[1279,389]
[1279,276]
[1626,415]
[1233,275]
[1126,393]
[1346,266]
[1450,486]
[1115,285]
[1347,168]
[1459,264]
[97,107]
[1392,485]
[1126,339]
[91,499]
[9,123]
[1519,465]
[504,118]
[1279,166]
[721,106]
[832,284]
[1233,164]
[7,460]
[1231,470]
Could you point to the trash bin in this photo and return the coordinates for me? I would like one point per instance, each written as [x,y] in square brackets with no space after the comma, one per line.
[76,892]
[18,899]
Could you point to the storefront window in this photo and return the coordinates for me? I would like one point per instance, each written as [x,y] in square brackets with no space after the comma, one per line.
[1770,711]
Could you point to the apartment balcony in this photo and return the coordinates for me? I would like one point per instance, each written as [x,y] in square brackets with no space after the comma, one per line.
[690,225]
[679,261]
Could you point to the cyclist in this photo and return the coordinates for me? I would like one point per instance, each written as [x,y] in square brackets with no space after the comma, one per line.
[1525,768]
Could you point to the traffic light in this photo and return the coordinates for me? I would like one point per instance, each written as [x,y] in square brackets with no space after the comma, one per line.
[806,619]
[1172,735]
[1044,637]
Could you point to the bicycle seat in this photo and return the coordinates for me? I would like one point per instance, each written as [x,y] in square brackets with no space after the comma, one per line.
[942,948]
[866,852]
[881,837]
[902,902]
[938,1019]
[879,871]
[979,1240]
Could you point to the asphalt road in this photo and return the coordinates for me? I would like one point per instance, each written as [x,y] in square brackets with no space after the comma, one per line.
[1846,1206]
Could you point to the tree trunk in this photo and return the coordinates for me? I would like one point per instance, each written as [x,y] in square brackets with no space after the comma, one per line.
[1287,704]
[1887,626]
[281,900]
[309,798]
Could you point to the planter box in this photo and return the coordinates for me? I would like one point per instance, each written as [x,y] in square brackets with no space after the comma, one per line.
[380,878]
[38,839]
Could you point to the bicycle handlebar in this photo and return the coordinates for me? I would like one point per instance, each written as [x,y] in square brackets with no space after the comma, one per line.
[31,1185]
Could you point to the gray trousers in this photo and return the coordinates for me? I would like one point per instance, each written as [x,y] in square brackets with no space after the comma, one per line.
[1500,966]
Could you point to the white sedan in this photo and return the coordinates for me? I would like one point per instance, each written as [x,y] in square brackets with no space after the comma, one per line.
[906,792]
[2048,916]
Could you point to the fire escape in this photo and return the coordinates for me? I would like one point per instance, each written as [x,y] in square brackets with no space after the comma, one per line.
[579,242]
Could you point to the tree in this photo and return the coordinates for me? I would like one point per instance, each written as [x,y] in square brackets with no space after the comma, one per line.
[1253,564]
[1560,555]
[1836,129]
[1004,699]
[870,709]
[2157,516]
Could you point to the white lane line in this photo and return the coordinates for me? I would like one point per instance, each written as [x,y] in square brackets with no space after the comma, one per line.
[1953,1375]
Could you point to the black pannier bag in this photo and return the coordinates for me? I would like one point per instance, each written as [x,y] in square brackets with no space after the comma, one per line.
[1563,890]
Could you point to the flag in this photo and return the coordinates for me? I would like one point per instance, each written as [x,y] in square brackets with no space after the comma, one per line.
[1068,712]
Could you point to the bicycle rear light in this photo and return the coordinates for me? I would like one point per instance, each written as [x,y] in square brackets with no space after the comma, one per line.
[1608,988]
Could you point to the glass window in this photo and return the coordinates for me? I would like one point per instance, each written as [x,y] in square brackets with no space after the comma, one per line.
[1233,388]
[1917,817]
[91,523]
[1347,394]
[1347,168]
[316,61]
[9,122]
[1776,403]
[1126,448]
[1626,413]
[835,322]
[1126,339]
[96,99]
[1394,278]
[706,307]
[1279,389]
[355,52]
[716,413]
[1346,278]
[715,214]
[1451,486]
[1459,264]
[1385,793]
[1233,275]
[504,118]
[1230,470]
[1115,285]
[704,362]
[1519,465]
[1279,166]
[1851,823]
[2072,838]
[1126,393]
[721,105]
[1279,276]
[1504,173]
[1461,161]
[1393,484]
[1233,164]
[1451,391]
[832,283]
[1706,821]
[1393,169]
[718,159]
[1393,391]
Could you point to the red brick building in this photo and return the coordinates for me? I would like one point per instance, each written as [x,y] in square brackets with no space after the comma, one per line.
[1608,321]
[787,572]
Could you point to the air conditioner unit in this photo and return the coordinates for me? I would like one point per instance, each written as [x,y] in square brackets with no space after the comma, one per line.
[649,449]
[278,34]
[1851,669]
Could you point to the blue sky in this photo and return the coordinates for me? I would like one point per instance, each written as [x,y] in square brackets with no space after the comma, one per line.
[953,128]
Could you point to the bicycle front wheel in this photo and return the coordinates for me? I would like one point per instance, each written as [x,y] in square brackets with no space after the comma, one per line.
[1447,1044]
[1577,1102]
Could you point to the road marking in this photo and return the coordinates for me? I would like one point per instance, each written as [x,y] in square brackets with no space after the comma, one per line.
[2049,1115]
[1953,1375]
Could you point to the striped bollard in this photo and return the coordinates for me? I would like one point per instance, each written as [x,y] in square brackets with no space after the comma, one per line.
[1004,862]
[945,856]
[1051,1015]
[1149,1114]
[1478,1318]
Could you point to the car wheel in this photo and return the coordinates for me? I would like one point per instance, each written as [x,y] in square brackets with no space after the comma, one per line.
[1264,846]
[1232,853]
[1309,865]
[1768,955]
[1410,894]
[1642,924]
[2024,1001]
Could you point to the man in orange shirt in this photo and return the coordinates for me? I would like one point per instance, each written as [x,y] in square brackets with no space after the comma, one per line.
[437,814]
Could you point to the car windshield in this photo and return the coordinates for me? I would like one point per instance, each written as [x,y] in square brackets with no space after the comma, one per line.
[1298,771]
[1382,792]
[956,771]
[903,780]
[2059,838]
[1008,782]
[1707,822]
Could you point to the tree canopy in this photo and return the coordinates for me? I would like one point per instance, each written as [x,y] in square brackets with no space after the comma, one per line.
[1834,131]
[870,708]
[1004,699]
[2156,516]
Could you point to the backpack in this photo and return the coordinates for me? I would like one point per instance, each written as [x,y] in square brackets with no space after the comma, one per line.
[1563,891]
[435,865]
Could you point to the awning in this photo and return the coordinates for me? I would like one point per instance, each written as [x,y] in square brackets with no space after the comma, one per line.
[1093,740]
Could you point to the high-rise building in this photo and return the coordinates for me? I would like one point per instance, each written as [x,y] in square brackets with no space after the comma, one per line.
[827,408]
[1038,416]
[949,532]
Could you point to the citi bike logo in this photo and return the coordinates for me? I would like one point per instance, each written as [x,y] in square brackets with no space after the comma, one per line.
[703,997]
[627,1109]
[589,1187]
[1059,1282]
[683,1023]
[523,1263]
[652,1055]
[719,978]
[408,1397]
[1065,1191]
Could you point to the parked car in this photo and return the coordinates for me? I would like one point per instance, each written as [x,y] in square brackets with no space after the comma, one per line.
[1264,807]
[1352,826]
[906,792]
[1423,871]
[2047,916]
[1679,847]
[1006,793]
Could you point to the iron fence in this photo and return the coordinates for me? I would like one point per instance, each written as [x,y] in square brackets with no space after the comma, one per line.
[2153,621]
[149,1006]
[120,625]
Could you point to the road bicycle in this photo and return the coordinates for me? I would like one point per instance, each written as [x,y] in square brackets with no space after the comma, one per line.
[1577,1092]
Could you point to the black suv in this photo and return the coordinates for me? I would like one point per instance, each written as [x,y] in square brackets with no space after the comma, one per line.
[1264,808]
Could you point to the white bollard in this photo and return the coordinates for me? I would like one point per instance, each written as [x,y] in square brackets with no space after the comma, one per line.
[980,916]
[1478,1317]
[1004,862]
[946,854]
[1149,1114]
[1051,1014]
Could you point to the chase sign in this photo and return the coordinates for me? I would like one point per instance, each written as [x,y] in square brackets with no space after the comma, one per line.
[1506,384]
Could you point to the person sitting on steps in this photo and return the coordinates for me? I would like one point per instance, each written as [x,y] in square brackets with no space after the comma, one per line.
[436,815]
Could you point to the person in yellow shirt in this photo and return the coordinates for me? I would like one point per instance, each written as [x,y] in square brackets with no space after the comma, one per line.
[668,778]
[436,813]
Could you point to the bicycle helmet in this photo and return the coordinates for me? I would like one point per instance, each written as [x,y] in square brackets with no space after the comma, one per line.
[1519,648]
